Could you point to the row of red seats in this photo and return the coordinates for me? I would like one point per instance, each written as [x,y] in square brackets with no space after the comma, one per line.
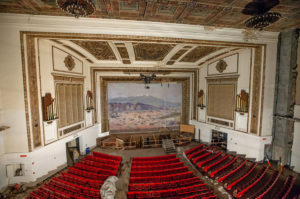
[107,156]
[249,181]
[156,162]
[168,193]
[246,179]
[159,172]
[210,159]
[102,160]
[234,180]
[45,192]
[94,169]
[96,184]
[86,174]
[61,192]
[157,167]
[166,178]
[155,158]
[216,163]
[163,177]
[76,189]
[230,172]
[100,165]
[202,156]
[83,180]
[165,185]
[221,168]
[267,189]
[205,195]
[197,153]
[286,188]
[194,149]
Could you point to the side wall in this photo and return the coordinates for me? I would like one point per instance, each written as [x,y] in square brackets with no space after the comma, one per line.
[46,159]
[241,137]
[295,156]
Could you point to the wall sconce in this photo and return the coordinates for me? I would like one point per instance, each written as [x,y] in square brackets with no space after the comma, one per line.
[89,101]
[201,99]
[242,102]
[49,108]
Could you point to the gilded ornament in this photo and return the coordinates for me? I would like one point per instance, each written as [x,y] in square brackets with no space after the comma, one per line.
[221,66]
[69,62]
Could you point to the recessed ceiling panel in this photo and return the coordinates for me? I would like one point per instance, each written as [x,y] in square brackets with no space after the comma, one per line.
[151,51]
[199,52]
[99,49]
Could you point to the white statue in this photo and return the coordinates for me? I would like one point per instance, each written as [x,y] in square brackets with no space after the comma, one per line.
[108,189]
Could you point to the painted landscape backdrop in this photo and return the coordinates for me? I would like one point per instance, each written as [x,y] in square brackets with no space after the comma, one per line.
[132,108]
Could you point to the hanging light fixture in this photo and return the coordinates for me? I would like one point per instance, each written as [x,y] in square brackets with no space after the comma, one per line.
[147,79]
[262,18]
[78,8]
[261,21]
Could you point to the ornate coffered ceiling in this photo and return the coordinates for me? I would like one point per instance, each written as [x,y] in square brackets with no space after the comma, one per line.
[218,13]
[143,53]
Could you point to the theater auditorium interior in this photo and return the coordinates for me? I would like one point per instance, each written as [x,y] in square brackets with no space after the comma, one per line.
[149,99]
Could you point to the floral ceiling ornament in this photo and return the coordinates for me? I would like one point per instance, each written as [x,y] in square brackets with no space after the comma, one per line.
[221,66]
[78,8]
[69,62]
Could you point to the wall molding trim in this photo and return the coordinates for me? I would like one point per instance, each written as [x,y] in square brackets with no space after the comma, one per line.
[128,27]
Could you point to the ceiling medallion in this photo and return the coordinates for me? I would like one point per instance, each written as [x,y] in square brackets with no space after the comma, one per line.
[221,66]
[261,21]
[78,8]
[69,62]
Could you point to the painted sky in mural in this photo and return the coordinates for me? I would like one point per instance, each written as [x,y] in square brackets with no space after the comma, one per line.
[132,108]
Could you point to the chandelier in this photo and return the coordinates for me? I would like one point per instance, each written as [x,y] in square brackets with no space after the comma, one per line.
[78,8]
[147,79]
[261,17]
[261,21]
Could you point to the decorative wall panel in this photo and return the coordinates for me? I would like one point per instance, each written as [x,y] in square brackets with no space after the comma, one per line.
[50,131]
[256,89]
[241,121]
[221,101]
[70,103]
[231,66]
[33,93]
[61,63]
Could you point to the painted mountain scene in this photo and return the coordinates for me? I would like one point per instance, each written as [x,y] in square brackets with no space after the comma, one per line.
[133,108]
